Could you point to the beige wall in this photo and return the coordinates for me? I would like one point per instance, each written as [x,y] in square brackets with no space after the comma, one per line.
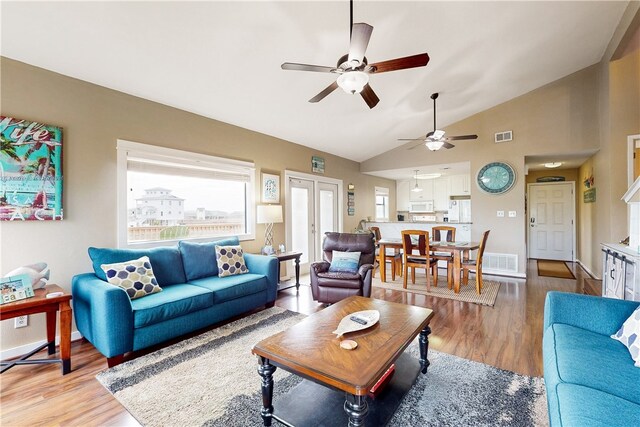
[589,256]
[559,118]
[93,118]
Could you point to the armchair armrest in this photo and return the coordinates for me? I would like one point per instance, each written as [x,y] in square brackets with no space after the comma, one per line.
[597,314]
[320,267]
[268,266]
[103,314]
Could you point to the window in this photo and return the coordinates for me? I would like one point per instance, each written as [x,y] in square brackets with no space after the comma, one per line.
[382,204]
[216,196]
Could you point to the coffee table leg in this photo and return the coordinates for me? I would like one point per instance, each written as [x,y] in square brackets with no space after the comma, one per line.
[297,261]
[266,370]
[356,410]
[424,349]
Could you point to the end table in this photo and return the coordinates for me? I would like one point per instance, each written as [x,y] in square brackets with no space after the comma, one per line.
[41,304]
[287,256]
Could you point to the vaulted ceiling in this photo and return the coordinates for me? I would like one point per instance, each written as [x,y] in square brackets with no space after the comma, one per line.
[222,59]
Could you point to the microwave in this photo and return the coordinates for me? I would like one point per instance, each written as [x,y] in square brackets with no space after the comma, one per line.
[422,206]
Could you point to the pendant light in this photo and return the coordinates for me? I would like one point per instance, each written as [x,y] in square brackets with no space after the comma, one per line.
[416,189]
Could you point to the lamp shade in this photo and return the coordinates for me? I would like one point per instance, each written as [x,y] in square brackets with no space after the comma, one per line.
[269,214]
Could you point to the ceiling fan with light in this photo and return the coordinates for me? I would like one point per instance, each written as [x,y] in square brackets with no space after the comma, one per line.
[353,69]
[435,140]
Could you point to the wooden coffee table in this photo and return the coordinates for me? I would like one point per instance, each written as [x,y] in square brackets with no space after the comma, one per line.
[310,350]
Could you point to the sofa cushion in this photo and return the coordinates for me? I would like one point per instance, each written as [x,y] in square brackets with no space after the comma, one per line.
[230,260]
[166,262]
[135,277]
[174,301]
[587,407]
[629,335]
[199,259]
[232,287]
[577,356]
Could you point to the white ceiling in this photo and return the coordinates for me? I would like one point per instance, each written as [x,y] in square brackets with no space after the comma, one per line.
[569,161]
[409,173]
[222,59]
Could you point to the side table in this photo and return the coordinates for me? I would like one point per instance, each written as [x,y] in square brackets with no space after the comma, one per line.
[288,256]
[41,304]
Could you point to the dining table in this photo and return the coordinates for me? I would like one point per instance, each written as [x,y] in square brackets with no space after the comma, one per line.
[459,250]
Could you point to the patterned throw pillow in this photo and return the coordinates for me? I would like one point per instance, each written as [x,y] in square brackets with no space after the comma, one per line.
[230,260]
[135,277]
[344,262]
[629,335]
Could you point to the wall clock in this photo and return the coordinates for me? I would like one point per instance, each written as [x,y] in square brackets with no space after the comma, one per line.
[496,178]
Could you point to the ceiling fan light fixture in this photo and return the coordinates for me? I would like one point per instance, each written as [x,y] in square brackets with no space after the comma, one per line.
[434,145]
[552,165]
[353,81]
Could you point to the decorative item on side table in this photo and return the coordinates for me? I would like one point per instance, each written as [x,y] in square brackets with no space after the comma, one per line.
[15,288]
[270,188]
[38,274]
[269,214]
[30,171]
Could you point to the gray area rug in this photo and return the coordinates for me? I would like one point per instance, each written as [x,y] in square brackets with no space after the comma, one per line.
[212,380]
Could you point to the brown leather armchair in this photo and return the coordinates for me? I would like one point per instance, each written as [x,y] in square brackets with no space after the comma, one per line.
[330,287]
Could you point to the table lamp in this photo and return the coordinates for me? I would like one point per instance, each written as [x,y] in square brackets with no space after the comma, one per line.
[269,214]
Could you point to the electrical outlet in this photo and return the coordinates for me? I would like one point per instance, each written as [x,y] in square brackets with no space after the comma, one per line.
[21,321]
[500,214]
[512,214]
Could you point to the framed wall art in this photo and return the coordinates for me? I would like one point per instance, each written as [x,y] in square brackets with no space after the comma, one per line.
[317,164]
[30,171]
[270,188]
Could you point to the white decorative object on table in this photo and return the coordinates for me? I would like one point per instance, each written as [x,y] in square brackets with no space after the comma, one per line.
[38,274]
[357,321]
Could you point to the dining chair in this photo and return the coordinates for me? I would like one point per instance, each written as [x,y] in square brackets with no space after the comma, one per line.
[476,264]
[395,259]
[447,234]
[418,240]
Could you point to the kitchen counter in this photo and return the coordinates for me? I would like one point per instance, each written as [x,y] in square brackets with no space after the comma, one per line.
[394,228]
[418,222]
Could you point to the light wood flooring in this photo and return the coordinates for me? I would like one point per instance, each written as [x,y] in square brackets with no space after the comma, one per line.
[508,336]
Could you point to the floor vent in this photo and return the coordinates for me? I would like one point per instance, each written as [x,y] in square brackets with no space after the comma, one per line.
[503,136]
[500,263]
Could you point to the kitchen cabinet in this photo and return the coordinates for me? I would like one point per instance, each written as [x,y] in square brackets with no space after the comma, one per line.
[427,190]
[460,185]
[620,272]
[403,190]
[441,192]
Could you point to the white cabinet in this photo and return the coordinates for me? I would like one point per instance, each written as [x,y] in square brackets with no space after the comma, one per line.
[460,185]
[427,190]
[620,272]
[441,193]
[403,190]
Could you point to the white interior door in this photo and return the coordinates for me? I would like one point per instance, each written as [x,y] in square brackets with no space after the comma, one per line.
[551,221]
[301,202]
[327,215]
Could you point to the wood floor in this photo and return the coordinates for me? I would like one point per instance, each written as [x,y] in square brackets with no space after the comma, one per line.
[508,336]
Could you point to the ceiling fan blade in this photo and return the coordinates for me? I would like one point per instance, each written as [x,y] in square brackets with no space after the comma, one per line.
[447,145]
[460,137]
[429,134]
[400,63]
[421,144]
[411,139]
[306,67]
[360,35]
[319,97]
[369,96]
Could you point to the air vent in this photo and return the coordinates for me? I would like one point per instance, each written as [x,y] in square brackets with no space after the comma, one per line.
[499,263]
[504,136]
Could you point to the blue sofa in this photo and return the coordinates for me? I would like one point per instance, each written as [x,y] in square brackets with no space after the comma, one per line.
[590,377]
[193,296]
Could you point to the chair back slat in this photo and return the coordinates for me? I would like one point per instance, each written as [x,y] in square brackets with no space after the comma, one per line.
[409,245]
[439,231]
[376,233]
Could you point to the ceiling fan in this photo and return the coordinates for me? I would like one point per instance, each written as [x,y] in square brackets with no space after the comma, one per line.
[353,69]
[435,140]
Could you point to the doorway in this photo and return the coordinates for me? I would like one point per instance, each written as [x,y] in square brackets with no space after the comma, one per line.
[312,209]
[551,222]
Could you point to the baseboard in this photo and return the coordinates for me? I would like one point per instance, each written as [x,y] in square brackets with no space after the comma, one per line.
[589,272]
[10,353]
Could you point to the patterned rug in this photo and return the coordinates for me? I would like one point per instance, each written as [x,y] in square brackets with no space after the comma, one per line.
[559,269]
[211,380]
[467,293]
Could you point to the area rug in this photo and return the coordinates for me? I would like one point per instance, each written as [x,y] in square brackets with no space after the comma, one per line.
[557,269]
[212,380]
[467,293]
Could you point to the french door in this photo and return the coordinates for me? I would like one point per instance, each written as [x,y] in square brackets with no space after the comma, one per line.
[327,213]
[551,221]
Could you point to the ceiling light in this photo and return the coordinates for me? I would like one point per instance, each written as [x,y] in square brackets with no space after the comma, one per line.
[553,165]
[429,175]
[415,188]
[434,145]
[353,81]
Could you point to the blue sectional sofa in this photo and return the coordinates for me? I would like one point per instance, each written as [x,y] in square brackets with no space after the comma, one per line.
[192,297]
[590,377]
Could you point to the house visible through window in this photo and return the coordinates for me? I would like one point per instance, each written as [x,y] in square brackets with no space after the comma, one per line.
[214,195]
[382,204]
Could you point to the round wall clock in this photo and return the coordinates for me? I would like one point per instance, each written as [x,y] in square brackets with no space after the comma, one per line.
[496,178]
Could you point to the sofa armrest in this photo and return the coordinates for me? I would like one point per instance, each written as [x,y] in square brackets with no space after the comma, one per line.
[103,314]
[267,266]
[364,269]
[597,314]
[320,267]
